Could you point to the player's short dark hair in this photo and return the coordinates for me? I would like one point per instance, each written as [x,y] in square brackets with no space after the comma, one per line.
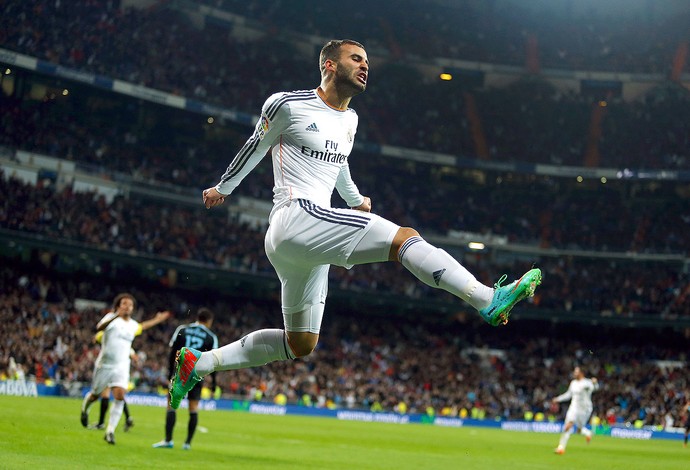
[331,51]
[204,315]
[125,295]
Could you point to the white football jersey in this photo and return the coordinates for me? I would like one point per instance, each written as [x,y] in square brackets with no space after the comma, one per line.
[310,143]
[579,393]
[117,343]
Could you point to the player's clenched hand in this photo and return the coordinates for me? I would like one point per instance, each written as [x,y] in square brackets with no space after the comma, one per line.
[212,197]
[364,206]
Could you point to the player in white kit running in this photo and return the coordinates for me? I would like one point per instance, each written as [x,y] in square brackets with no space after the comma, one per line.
[113,362]
[310,135]
[580,395]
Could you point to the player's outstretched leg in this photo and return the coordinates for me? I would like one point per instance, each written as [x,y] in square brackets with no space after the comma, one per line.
[185,375]
[505,297]
[436,268]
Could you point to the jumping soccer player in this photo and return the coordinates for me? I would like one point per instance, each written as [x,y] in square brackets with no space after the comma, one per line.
[310,135]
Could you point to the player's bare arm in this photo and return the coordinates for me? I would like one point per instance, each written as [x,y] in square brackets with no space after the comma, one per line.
[212,197]
[159,318]
[107,320]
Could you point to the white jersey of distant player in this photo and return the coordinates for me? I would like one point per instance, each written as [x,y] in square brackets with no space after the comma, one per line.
[580,394]
[310,143]
[117,343]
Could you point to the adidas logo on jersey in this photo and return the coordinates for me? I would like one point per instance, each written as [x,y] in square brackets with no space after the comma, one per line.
[312,127]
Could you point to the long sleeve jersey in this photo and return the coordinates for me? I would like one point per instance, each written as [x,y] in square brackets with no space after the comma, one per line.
[310,143]
[116,342]
[579,393]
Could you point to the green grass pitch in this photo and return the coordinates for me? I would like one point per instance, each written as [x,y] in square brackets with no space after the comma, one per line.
[46,433]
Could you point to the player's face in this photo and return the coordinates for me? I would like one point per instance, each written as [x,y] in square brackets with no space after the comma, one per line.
[352,70]
[577,373]
[126,307]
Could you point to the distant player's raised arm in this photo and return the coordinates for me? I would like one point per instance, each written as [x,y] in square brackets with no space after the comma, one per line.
[565,396]
[159,318]
[105,321]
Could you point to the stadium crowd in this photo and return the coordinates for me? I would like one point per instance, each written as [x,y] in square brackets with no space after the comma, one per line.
[629,216]
[528,121]
[141,226]
[365,360]
[494,31]
[485,32]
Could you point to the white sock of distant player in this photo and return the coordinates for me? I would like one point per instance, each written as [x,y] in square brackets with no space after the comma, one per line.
[564,439]
[86,404]
[115,415]
[256,349]
[436,268]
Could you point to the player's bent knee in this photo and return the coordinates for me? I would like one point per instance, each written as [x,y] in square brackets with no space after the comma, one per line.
[302,343]
[303,349]
[403,234]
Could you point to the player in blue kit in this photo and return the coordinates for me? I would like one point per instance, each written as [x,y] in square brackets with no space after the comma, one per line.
[310,135]
[197,335]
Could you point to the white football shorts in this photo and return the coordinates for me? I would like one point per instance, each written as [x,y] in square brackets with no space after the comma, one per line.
[304,239]
[578,416]
[104,377]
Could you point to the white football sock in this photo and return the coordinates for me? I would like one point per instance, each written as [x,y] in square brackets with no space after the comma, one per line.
[115,414]
[586,432]
[256,349]
[564,439]
[436,268]
[86,404]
